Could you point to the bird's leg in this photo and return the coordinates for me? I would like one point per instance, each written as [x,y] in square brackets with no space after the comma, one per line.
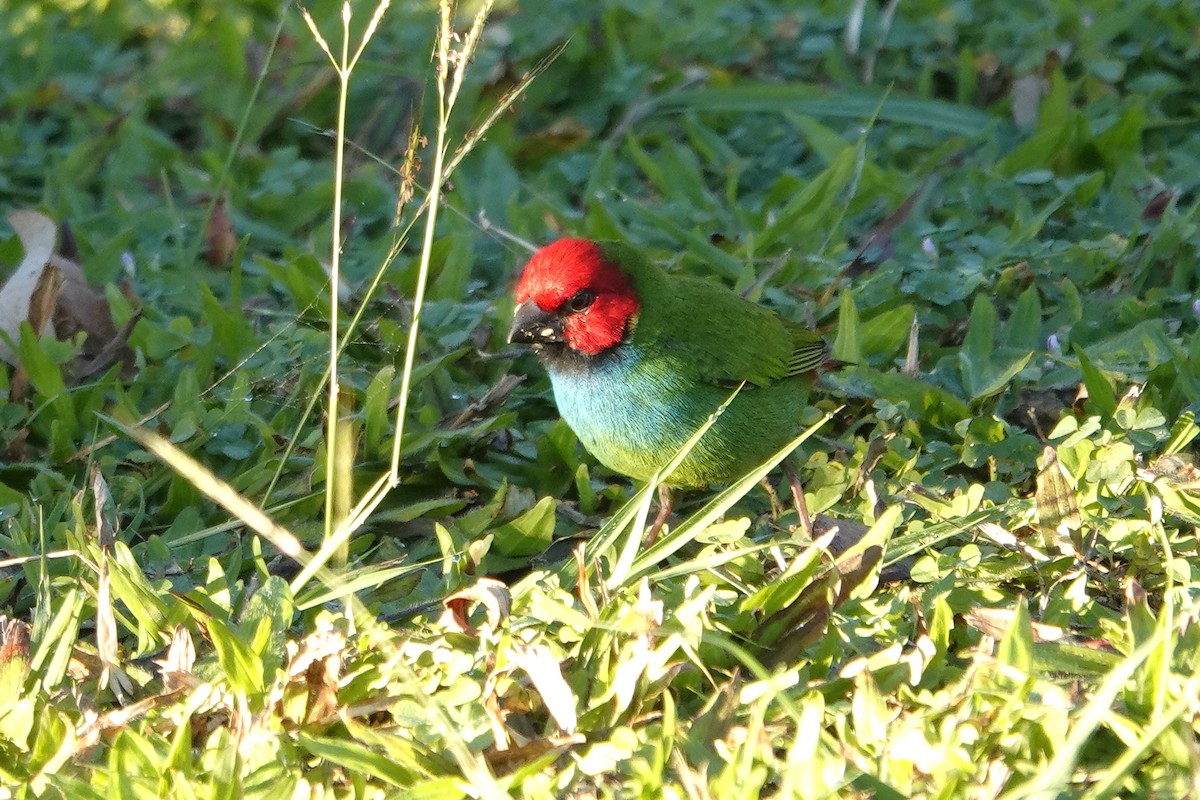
[776,506]
[793,479]
[664,511]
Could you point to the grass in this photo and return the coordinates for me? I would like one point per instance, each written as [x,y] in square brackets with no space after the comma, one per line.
[214,586]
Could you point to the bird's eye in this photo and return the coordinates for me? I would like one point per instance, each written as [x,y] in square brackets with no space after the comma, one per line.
[581,300]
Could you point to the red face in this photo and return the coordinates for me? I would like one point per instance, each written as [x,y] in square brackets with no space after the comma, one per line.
[589,295]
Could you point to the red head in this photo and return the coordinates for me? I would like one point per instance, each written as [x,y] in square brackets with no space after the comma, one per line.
[585,299]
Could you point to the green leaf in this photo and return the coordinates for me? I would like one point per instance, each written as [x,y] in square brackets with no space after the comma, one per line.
[1100,391]
[452,271]
[272,603]
[1183,433]
[412,756]
[231,332]
[1073,659]
[53,643]
[52,742]
[357,759]
[675,173]
[436,789]
[932,404]
[997,381]
[131,763]
[1098,709]
[1022,331]
[713,257]
[1124,137]
[583,487]
[846,346]
[845,103]
[1015,649]
[779,593]
[242,666]
[814,207]
[45,375]
[868,713]
[529,533]
[144,601]
[376,402]
[886,333]
[977,345]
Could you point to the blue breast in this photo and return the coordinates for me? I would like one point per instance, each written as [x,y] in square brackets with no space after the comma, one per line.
[624,414]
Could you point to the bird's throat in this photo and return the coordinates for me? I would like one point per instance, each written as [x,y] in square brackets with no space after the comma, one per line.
[561,358]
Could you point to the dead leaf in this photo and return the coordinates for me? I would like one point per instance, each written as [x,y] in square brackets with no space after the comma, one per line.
[88,734]
[14,655]
[492,594]
[877,247]
[845,534]
[506,760]
[496,714]
[45,298]
[112,673]
[1135,593]
[1158,204]
[1178,470]
[1027,92]
[175,668]
[993,78]
[322,680]
[1006,539]
[220,243]
[996,622]
[82,309]
[37,233]
[559,136]
[315,663]
[487,405]
[116,350]
[67,246]
[912,363]
[804,620]
[100,499]
[16,445]
[583,583]
[49,290]
[1058,510]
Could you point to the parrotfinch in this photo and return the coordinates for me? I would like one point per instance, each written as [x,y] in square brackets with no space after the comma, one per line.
[639,359]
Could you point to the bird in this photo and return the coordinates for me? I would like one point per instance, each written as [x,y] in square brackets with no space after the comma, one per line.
[639,359]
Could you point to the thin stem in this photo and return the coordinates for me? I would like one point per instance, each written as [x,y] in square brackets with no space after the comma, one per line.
[335,260]
[433,200]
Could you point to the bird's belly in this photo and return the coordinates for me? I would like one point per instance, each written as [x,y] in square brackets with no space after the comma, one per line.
[624,421]
[633,420]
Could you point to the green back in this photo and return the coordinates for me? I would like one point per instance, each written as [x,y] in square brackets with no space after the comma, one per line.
[708,330]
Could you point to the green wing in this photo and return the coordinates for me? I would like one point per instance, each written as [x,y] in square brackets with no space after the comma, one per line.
[711,332]
[809,350]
